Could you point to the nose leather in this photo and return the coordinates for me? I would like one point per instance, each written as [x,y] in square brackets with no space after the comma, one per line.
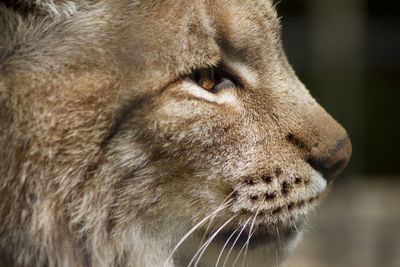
[333,164]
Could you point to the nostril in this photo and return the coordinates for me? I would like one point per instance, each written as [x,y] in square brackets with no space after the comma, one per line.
[332,165]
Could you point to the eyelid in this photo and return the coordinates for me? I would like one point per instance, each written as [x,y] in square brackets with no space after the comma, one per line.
[225,71]
[210,78]
[242,73]
[199,93]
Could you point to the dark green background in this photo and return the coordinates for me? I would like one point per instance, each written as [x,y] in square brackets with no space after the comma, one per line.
[347,52]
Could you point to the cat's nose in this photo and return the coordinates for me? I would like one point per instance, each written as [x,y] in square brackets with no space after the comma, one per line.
[331,165]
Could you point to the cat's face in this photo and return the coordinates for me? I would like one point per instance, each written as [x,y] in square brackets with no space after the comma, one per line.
[137,121]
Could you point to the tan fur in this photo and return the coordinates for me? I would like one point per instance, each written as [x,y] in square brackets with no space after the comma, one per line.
[109,156]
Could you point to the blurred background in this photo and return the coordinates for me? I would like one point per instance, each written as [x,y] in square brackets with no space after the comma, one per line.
[347,52]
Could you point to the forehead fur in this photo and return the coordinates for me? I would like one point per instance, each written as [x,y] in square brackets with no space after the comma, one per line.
[131,35]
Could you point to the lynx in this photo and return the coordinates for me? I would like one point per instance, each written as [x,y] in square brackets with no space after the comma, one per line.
[155,133]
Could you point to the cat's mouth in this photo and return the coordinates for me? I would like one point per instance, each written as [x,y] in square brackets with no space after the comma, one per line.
[277,225]
[260,236]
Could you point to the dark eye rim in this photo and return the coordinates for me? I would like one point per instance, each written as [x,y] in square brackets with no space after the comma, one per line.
[221,73]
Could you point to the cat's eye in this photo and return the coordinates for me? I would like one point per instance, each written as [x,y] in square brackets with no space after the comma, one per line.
[205,78]
[212,79]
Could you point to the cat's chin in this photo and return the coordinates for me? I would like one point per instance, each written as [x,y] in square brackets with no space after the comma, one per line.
[262,236]
[265,248]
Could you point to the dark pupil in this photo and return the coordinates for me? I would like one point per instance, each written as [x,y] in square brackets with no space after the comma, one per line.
[196,76]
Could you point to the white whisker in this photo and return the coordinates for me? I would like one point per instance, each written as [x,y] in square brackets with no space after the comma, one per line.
[234,243]
[203,248]
[212,219]
[277,233]
[223,248]
[248,237]
[194,228]
[294,225]
[251,233]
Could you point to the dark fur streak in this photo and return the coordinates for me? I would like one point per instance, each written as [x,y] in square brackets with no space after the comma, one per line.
[291,138]
[124,114]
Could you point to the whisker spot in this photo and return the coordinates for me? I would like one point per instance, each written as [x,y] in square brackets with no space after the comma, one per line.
[270,196]
[267,179]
